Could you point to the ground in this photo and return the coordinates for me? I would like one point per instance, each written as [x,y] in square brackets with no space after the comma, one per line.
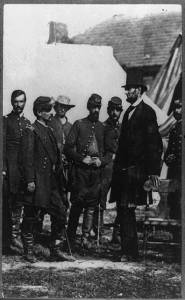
[95,274]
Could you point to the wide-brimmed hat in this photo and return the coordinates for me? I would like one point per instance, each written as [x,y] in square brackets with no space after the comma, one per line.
[65,101]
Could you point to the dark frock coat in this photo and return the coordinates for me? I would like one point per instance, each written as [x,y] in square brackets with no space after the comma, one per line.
[138,156]
[13,127]
[40,161]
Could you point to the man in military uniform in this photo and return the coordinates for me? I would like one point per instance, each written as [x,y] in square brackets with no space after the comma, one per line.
[60,123]
[138,157]
[41,169]
[85,146]
[13,125]
[173,159]
[112,131]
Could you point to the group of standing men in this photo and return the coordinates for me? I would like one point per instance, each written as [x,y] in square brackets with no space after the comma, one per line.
[46,159]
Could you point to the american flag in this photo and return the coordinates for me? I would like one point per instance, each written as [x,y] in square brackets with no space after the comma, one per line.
[163,87]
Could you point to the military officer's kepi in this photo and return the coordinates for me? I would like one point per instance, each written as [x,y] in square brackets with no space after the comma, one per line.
[115,102]
[94,100]
[42,103]
[65,101]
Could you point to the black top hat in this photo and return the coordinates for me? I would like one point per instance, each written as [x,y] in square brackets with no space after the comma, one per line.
[134,79]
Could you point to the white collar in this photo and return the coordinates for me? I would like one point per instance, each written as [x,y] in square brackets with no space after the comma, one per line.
[42,123]
[137,102]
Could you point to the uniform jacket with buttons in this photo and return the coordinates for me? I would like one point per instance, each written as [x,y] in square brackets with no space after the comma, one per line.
[13,127]
[112,132]
[80,137]
[39,161]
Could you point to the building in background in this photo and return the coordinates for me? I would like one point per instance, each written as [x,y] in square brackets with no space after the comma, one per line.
[141,45]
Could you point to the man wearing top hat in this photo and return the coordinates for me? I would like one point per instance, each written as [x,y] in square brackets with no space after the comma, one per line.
[138,158]
[112,131]
[40,165]
[85,146]
[13,125]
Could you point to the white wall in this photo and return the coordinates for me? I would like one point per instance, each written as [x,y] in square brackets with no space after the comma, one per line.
[72,70]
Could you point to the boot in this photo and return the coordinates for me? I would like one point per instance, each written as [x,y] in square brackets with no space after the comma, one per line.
[16,242]
[57,252]
[86,227]
[116,238]
[28,247]
[85,243]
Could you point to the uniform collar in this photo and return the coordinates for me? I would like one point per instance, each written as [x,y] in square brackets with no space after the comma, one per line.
[20,115]
[110,122]
[89,118]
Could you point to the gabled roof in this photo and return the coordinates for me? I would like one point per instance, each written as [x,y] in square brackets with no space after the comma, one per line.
[138,41]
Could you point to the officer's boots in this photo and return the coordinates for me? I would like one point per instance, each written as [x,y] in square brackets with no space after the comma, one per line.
[28,247]
[16,242]
[57,252]
[86,228]
[57,247]
[116,238]
[28,239]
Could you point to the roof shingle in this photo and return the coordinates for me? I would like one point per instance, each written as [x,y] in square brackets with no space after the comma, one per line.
[138,41]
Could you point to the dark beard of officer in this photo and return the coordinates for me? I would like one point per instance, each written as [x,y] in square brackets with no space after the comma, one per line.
[94,116]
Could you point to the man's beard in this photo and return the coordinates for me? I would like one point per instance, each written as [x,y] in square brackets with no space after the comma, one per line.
[18,110]
[131,99]
[94,116]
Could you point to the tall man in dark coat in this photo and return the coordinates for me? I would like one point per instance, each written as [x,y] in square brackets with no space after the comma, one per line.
[40,163]
[13,125]
[112,132]
[85,146]
[138,157]
[173,159]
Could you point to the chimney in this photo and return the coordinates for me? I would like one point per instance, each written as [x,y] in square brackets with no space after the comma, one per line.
[58,33]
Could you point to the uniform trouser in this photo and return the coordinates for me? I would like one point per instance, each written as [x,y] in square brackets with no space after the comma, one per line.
[98,220]
[128,231]
[116,229]
[15,210]
[75,212]
[31,218]
[84,197]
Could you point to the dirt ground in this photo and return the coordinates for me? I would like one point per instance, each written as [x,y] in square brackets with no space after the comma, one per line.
[95,274]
